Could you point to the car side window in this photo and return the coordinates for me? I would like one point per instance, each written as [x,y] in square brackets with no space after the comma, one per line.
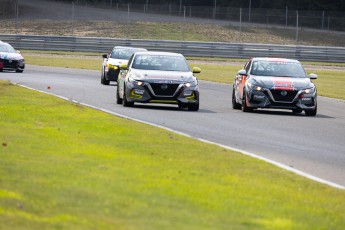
[247,66]
[130,61]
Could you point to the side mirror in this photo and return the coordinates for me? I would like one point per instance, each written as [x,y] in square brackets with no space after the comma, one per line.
[18,52]
[124,66]
[313,76]
[242,72]
[105,56]
[196,70]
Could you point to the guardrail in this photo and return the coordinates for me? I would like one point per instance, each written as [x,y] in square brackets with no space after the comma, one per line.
[192,49]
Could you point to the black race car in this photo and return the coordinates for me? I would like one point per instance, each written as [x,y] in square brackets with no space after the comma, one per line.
[10,59]
[277,83]
[158,77]
[111,62]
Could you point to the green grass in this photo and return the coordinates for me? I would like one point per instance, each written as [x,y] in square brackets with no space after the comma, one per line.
[330,83]
[65,166]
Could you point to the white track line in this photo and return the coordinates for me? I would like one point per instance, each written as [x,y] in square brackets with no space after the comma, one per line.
[298,172]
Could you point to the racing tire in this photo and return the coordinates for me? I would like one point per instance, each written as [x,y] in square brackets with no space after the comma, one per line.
[126,103]
[193,107]
[104,81]
[244,106]
[311,113]
[235,105]
[118,99]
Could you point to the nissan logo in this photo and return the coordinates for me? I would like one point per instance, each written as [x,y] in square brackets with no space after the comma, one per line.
[283,93]
[164,86]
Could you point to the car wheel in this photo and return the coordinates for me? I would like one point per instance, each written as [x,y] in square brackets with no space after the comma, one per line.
[1,70]
[19,70]
[118,99]
[104,81]
[235,105]
[126,103]
[244,106]
[311,113]
[193,107]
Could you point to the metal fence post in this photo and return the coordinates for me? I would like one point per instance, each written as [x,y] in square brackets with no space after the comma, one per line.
[296,26]
[127,24]
[249,10]
[240,20]
[3,10]
[184,21]
[286,16]
[17,15]
[72,18]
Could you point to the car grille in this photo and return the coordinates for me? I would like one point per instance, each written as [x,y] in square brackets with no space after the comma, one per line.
[10,64]
[160,89]
[279,96]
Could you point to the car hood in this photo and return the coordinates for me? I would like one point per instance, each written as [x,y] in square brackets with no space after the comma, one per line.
[156,76]
[281,83]
[10,56]
[117,62]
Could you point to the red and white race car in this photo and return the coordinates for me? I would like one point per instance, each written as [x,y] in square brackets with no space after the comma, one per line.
[274,83]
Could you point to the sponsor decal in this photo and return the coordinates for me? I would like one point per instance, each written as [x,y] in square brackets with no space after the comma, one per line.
[139,91]
[277,59]
[164,81]
[282,83]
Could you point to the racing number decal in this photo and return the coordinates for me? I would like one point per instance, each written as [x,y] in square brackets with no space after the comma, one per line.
[282,83]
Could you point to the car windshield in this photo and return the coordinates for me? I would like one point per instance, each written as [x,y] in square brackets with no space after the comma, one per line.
[277,69]
[161,62]
[122,53]
[6,48]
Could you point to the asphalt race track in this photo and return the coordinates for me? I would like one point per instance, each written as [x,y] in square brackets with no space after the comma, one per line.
[314,145]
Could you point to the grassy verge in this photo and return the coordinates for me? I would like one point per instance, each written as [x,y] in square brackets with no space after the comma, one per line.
[330,83]
[64,166]
[178,31]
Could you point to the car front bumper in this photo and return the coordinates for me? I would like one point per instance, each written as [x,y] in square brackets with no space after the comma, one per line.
[12,64]
[281,100]
[162,93]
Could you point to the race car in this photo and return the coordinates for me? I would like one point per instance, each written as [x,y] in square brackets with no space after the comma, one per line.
[158,77]
[10,59]
[110,66]
[276,83]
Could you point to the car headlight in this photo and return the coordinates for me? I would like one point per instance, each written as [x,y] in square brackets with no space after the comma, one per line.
[21,61]
[135,82]
[309,90]
[255,87]
[191,84]
[110,66]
